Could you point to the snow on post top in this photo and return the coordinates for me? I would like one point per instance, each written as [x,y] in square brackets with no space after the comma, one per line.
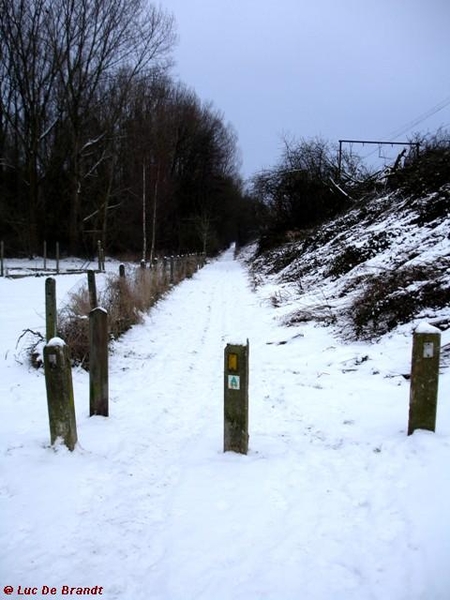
[236,340]
[56,341]
[425,327]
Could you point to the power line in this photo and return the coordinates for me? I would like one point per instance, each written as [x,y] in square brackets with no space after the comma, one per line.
[429,113]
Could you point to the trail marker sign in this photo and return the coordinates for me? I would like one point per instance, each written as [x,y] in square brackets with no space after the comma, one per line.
[234,382]
[236,398]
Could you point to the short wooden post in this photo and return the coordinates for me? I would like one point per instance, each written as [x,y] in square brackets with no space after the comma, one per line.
[50,308]
[60,401]
[424,378]
[143,265]
[57,257]
[236,398]
[2,258]
[92,288]
[45,255]
[121,270]
[98,363]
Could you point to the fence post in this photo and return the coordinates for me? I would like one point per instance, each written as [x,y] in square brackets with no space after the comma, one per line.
[50,308]
[98,362]
[424,378]
[2,258]
[99,255]
[165,259]
[60,402]
[121,270]
[236,398]
[57,257]
[92,289]
[45,255]
[172,261]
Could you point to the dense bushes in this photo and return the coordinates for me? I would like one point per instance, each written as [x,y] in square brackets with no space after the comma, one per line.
[427,170]
[395,297]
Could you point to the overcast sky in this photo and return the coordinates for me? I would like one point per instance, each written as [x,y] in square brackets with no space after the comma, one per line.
[359,69]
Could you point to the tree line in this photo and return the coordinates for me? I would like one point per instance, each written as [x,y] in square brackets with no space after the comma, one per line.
[98,142]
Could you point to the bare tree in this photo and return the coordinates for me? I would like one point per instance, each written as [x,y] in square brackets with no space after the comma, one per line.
[28,75]
[97,39]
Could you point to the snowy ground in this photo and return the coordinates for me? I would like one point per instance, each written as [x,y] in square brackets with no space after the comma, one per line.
[333,501]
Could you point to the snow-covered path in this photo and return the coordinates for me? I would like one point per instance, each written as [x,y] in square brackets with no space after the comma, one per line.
[333,501]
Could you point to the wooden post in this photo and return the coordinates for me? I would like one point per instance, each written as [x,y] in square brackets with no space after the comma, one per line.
[424,378]
[2,258]
[172,265]
[60,402]
[57,257]
[98,362]
[92,289]
[99,254]
[102,259]
[236,398]
[50,308]
[143,264]
[164,271]
[121,270]
[45,255]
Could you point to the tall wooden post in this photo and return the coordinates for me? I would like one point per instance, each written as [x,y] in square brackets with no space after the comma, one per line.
[98,363]
[236,398]
[60,401]
[92,288]
[424,378]
[50,308]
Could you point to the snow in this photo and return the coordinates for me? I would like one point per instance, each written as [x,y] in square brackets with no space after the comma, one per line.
[424,327]
[333,501]
[56,341]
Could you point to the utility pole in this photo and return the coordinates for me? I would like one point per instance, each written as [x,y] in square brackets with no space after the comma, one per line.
[378,143]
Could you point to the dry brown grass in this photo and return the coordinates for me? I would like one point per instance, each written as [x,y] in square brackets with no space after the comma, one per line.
[126,299]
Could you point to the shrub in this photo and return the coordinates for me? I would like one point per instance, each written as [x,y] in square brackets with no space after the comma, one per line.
[428,170]
[396,297]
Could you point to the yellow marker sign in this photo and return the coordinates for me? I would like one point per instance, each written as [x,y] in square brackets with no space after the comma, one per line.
[232,362]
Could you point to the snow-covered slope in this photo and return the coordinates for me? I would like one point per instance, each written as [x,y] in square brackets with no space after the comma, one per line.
[384,263]
[333,501]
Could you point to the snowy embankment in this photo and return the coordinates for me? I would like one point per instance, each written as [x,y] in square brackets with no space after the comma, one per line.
[333,501]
